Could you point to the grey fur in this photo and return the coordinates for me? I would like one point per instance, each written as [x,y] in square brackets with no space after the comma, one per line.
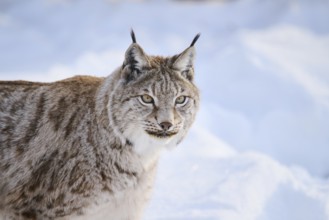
[67,144]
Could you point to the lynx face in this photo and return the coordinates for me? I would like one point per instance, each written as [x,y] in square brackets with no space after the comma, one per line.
[160,106]
[156,97]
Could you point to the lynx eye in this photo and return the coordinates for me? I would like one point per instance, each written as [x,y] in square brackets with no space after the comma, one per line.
[181,100]
[147,99]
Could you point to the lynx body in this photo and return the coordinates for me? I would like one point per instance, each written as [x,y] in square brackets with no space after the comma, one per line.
[87,147]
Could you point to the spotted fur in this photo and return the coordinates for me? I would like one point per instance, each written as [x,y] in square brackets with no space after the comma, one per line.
[87,147]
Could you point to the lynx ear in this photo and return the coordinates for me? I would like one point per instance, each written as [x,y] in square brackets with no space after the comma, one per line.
[135,60]
[185,60]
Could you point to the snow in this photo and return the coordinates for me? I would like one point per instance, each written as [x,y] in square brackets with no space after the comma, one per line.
[194,184]
[259,148]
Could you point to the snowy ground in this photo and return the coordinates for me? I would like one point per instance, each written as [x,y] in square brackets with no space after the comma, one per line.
[259,149]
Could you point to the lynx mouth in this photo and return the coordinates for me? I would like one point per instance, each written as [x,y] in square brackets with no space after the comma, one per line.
[161,134]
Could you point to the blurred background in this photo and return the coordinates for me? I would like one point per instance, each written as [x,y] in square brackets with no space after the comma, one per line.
[259,148]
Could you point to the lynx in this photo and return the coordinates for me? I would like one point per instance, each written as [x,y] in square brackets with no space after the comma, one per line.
[87,147]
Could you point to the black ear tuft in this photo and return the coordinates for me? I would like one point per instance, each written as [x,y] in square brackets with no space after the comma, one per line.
[133,36]
[195,39]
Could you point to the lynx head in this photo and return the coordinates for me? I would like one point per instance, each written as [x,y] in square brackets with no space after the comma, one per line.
[155,100]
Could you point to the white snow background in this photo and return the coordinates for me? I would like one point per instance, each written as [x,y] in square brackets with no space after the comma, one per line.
[259,149]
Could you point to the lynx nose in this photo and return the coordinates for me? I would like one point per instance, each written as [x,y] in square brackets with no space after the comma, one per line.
[165,125]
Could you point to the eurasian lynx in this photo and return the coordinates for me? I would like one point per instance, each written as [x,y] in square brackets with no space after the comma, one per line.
[87,147]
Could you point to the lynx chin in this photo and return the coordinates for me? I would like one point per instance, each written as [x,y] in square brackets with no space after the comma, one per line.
[87,147]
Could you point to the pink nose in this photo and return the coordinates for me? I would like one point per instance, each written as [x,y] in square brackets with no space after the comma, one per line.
[165,125]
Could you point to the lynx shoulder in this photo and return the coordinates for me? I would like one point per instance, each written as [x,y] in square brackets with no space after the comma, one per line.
[87,147]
